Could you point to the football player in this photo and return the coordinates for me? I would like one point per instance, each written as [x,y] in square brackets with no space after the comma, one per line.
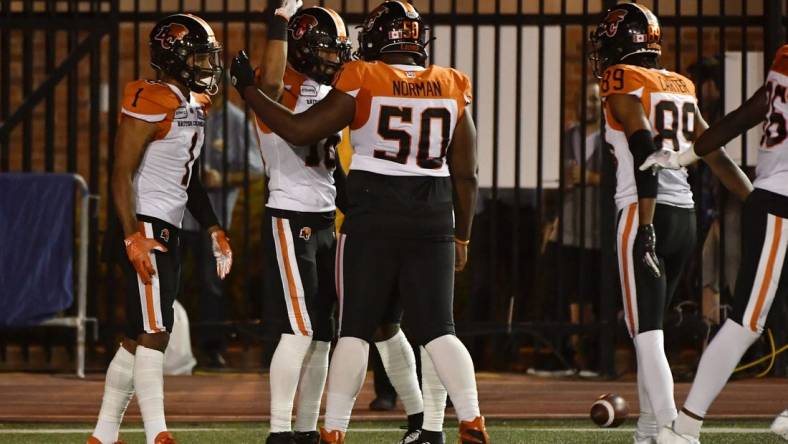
[403,228]
[647,108]
[159,137]
[765,226]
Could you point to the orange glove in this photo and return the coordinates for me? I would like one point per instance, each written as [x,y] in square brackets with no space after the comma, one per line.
[138,249]
[222,252]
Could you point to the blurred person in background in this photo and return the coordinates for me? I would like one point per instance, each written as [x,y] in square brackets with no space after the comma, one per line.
[203,286]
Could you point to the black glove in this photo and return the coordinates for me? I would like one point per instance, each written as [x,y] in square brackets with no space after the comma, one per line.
[645,249]
[241,72]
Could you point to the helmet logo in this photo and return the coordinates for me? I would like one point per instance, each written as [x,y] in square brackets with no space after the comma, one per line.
[171,33]
[609,25]
[374,16]
[303,25]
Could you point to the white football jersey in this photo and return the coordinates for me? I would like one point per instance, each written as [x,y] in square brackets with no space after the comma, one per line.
[165,170]
[405,116]
[300,177]
[771,173]
[670,105]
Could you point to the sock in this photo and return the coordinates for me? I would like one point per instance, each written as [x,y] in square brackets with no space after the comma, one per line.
[647,420]
[283,378]
[310,388]
[149,384]
[454,366]
[686,425]
[434,394]
[656,374]
[400,364]
[716,366]
[118,391]
[345,379]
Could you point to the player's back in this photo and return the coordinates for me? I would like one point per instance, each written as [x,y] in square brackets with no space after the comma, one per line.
[402,129]
[772,169]
[300,177]
[164,173]
[670,105]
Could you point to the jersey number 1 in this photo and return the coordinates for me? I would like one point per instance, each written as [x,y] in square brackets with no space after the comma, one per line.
[405,115]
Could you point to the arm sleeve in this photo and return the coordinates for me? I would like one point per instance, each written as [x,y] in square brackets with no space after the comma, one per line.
[641,143]
[198,203]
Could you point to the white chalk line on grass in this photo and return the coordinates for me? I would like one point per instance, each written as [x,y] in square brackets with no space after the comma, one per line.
[32,431]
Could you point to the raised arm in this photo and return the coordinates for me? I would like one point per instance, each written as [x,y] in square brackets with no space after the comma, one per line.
[464,173]
[731,176]
[274,61]
[325,118]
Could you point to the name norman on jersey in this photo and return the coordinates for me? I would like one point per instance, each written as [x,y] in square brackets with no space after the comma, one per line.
[164,173]
[405,116]
[429,88]
[670,105]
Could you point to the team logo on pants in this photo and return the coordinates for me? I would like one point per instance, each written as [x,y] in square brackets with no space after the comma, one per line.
[305,233]
[165,235]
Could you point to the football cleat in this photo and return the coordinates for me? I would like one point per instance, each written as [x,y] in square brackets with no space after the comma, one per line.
[473,432]
[280,438]
[93,440]
[780,425]
[422,437]
[331,437]
[164,438]
[306,438]
[669,436]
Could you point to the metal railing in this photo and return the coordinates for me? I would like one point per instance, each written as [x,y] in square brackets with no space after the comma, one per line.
[527,60]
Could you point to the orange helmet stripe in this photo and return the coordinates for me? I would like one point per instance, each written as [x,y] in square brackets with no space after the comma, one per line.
[340,24]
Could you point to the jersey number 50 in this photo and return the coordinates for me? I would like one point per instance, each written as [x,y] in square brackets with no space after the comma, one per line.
[405,138]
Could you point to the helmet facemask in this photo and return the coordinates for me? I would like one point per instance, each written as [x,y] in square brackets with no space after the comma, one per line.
[204,69]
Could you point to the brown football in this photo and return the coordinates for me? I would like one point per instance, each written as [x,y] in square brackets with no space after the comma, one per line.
[609,410]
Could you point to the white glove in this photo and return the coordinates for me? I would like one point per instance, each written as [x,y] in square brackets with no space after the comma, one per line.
[661,159]
[288,8]
[222,252]
[669,160]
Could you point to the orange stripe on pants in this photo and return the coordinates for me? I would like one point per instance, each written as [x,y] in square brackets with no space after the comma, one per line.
[625,262]
[290,279]
[767,275]
[149,293]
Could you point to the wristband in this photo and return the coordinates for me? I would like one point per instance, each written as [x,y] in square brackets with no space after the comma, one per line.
[464,243]
[277,28]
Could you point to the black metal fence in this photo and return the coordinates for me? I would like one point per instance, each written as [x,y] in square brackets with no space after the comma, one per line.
[63,65]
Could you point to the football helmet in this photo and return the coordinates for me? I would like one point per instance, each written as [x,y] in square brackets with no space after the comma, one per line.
[393,27]
[312,31]
[184,47]
[626,29]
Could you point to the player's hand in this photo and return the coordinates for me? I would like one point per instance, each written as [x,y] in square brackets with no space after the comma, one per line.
[661,160]
[241,73]
[645,248]
[460,255]
[138,249]
[222,252]
[288,8]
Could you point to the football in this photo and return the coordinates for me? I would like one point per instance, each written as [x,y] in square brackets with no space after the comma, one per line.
[609,410]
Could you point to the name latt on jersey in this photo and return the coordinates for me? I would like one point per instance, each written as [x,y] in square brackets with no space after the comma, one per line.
[669,103]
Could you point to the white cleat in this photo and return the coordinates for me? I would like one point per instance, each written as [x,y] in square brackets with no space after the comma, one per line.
[669,436]
[780,425]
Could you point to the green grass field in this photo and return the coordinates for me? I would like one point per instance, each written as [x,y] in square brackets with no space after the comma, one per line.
[501,432]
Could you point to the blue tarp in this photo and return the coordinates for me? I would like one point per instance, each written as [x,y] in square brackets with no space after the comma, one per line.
[36,246]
